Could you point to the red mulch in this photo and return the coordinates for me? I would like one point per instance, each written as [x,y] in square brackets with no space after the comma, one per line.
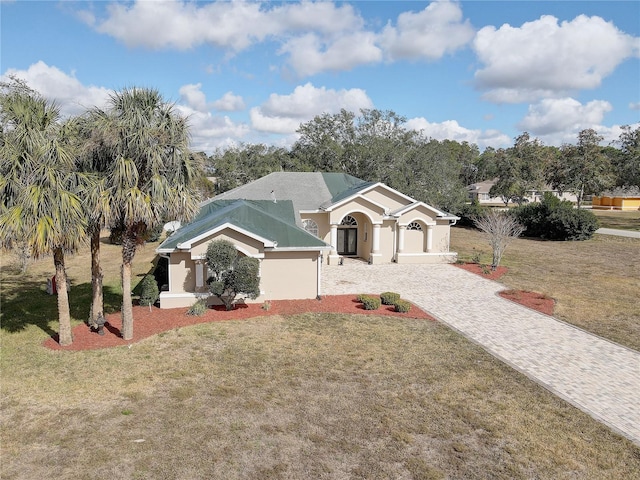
[533,300]
[478,269]
[150,322]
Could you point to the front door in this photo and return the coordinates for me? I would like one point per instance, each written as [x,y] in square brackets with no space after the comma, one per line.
[347,241]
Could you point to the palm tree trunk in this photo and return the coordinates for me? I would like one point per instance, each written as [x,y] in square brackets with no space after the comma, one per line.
[128,251]
[64,315]
[97,303]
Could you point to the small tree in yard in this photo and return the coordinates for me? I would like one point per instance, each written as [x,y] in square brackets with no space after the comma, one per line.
[231,275]
[501,228]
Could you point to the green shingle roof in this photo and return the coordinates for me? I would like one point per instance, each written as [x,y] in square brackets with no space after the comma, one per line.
[263,218]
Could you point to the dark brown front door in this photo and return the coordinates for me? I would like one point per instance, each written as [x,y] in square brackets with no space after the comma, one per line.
[347,241]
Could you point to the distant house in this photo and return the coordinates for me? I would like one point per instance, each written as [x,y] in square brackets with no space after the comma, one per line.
[297,223]
[480,192]
[616,202]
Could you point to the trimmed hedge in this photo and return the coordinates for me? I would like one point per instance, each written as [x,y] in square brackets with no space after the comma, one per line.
[389,298]
[149,291]
[402,306]
[371,303]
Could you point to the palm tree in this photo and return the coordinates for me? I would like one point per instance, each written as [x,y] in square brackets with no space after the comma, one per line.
[93,158]
[149,173]
[41,207]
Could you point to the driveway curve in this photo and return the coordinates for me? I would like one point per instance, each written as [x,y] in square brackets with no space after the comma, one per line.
[596,375]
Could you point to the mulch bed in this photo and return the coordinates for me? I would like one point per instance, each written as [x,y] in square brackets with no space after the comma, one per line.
[479,269]
[150,322]
[533,300]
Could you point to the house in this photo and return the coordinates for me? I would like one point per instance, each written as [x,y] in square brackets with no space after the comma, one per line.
[480,192]
[297,223]
[616,202]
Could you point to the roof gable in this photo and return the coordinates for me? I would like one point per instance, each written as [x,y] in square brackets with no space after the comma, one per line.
[272,223]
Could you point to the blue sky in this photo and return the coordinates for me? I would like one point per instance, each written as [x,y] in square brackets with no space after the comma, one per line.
[251,72]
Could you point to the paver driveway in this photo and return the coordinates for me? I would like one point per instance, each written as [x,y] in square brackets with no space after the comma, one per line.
[594,374]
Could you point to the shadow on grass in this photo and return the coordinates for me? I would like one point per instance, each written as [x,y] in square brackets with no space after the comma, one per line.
[31,305]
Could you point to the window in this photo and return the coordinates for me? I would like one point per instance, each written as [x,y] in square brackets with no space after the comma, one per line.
[414,226]
[349,221]
[310,226]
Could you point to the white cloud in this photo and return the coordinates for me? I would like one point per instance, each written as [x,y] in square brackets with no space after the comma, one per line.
[233,25]
[284,113]
[184,25]
[66,90]
[229,103]
[209,132]
[309,54]
[452,130]
[194,97]
[429,34]
[564,114]
[634,105]
[543,58]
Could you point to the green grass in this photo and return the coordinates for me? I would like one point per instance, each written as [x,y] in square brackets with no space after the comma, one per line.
[595,283]
[306,396]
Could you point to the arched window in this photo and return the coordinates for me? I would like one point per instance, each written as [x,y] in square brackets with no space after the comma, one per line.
[310,226]
[349,221]
[414,226]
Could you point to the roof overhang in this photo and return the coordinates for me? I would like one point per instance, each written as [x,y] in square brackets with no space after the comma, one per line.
[357,196]
[361,193]
[189,244]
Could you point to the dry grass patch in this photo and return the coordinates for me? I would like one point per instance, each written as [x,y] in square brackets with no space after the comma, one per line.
[627,220]
[307,396]
[595,283]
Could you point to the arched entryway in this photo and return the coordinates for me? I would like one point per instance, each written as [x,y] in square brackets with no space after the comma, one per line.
[347,237]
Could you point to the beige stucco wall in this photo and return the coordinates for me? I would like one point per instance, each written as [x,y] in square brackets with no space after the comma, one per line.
[249,246]
[182,275]
[357,205]
[415,241]
[289,275]
[322,219]
[389,199]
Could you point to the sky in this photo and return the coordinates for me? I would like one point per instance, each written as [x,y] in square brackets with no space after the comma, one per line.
[251,72]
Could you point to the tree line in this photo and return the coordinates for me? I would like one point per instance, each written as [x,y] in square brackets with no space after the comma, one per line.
[377,146]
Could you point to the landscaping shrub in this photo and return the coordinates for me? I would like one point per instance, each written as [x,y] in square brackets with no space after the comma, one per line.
[389,298]
[360,298]
[149,291]
[572,224]
[555,219]
[402,306]
[371,303]
[198,308]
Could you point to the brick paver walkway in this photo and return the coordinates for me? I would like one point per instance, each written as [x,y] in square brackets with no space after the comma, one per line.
[594,374]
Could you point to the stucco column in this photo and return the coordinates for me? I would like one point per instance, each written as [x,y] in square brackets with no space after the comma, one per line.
[334,258]
[376,239]
[401,230]
[334,239]
[429,238]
